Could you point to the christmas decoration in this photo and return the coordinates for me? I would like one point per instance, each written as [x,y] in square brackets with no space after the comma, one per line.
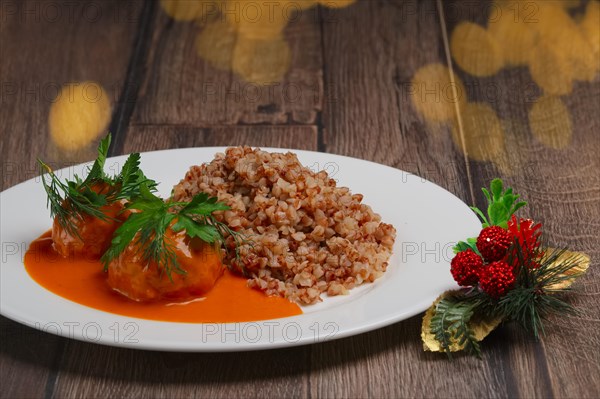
[506,274]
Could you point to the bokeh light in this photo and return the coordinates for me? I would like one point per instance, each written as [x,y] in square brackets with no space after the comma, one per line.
[79,115]
[550,122]
[560,46]
[245,36]
[434,94]
[475,50]
[482,132]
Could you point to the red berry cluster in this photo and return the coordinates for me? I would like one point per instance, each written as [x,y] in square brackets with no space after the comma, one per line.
[490,270]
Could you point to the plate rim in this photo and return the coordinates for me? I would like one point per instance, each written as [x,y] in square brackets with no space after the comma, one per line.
[201,347]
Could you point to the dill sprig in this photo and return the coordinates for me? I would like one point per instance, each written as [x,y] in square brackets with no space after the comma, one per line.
[71,200]
[147,226]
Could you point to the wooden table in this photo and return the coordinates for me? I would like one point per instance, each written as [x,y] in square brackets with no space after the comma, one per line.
[352,70]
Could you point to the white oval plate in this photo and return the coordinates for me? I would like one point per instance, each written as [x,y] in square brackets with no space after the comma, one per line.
[429,221]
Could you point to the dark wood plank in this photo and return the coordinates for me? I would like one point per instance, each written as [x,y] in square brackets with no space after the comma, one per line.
[369,112]
[43,45]
[28,360]
[93,370]
[65,43]
[183,88]
[149,138]
[373,116]
[549,153]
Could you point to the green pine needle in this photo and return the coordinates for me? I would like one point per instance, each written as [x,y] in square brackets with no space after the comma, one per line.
[535,297]
[450,323]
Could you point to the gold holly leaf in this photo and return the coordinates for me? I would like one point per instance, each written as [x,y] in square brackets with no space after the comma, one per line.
[480,325]
[579,260]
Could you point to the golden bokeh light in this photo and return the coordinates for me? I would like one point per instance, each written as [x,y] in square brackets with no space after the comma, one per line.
[481,135]
[79,114]
[261,61]
[550,122]
[435,93]
[475,50]
[550,70]
[216,42]
[264,20]
[560,45]
[335,3]
[570,3]
[566,40]
[185,10]
[590,28]
[515,38]
[245,36]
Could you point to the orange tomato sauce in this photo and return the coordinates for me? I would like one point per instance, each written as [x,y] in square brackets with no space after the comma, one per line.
[83,281]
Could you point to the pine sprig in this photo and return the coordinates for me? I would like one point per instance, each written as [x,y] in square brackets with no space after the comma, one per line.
[450,324]
[536,292]
[147,226]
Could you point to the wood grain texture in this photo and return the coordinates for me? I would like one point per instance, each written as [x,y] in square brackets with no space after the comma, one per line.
[28,360]
[354,66]
[368,113]
[182,88]
[564,194]
[372,117]
[130,373]
[151,137]
[43,45]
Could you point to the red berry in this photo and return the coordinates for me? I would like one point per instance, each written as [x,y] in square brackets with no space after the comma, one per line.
[493,242]
[496,279]
[465,267]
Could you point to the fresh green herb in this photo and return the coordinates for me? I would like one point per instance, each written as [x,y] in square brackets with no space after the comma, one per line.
[71,200]
[151,217]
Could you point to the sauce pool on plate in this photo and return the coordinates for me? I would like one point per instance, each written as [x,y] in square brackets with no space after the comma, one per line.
[83,281]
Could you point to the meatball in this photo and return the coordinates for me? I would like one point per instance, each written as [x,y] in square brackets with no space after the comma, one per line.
[93,236]
[141,280]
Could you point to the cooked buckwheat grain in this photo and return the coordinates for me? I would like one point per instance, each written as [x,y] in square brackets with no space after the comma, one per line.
[307,235]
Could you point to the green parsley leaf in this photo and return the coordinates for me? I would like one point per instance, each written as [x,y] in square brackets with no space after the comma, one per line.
[147,227]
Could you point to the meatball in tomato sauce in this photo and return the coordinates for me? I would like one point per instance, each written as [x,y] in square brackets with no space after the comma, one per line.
[93,234]
[145,280]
